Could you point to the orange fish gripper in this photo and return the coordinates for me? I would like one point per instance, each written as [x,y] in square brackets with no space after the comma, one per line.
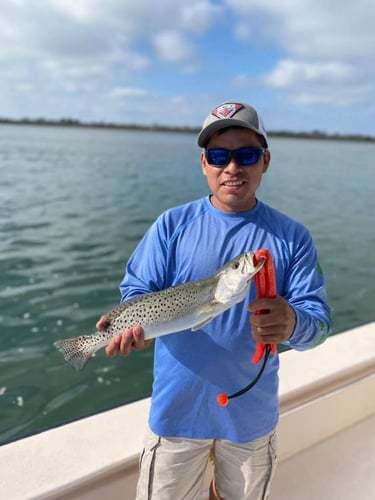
[265,283]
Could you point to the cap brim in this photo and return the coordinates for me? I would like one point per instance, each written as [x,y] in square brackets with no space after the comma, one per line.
[208,131]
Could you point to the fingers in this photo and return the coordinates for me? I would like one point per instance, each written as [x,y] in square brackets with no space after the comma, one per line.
[276,323]
[130,339]
[103,323]
[139,342]
[272,335]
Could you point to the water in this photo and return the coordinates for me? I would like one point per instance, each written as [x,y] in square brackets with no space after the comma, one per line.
[74,203]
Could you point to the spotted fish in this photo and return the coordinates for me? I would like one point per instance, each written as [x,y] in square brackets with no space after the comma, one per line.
[181,307]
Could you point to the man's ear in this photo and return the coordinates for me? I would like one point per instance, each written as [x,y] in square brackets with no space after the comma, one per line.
[266,160]
[203,163]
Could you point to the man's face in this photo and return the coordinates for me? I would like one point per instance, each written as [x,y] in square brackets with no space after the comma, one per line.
[233,187]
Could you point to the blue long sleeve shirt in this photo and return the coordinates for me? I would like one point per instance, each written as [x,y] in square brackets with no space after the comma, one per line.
[191,242]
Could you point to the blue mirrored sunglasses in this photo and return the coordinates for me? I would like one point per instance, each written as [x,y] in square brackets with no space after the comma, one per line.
[244,157]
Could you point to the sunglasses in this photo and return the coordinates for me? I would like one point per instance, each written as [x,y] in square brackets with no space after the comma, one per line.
[244,157]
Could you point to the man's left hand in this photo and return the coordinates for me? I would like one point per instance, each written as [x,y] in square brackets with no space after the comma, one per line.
[276,324]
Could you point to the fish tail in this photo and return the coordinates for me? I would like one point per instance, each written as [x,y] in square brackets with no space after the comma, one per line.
[78,350]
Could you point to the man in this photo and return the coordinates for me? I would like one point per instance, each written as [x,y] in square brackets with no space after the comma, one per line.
[191,242]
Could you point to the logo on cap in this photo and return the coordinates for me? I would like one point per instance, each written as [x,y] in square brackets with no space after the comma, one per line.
[227,110]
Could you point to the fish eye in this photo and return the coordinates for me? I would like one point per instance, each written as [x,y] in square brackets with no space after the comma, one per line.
[236,265]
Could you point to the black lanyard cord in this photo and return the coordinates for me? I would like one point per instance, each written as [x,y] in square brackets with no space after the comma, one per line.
[223,399]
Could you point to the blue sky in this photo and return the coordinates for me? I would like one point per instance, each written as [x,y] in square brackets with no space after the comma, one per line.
[305,64]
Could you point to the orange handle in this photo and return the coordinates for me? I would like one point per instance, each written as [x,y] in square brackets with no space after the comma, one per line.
[265,282]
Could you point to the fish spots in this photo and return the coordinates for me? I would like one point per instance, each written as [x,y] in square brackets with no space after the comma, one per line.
[180,307]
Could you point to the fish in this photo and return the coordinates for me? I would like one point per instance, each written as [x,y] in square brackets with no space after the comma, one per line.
[180,307]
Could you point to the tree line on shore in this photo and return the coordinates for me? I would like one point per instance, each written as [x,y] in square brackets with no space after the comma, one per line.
[70,122]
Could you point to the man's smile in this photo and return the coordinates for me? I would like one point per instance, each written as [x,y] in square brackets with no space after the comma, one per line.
[233,183]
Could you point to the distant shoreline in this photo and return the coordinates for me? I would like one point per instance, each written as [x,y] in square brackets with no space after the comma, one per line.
[67,122]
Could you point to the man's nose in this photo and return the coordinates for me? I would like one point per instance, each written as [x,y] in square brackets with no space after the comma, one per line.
[232,165]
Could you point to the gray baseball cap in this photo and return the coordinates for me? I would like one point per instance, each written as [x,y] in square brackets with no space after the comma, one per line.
[231,114]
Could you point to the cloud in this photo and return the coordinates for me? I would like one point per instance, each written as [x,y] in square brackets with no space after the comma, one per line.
[335,84]
[343,98]
[199,17]
[312,28]
[171,46]
[302,83]
[291,72]
[326,49]
[126,92]
[79,39]
[84,55]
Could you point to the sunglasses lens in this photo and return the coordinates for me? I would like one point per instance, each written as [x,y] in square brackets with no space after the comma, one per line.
[244,157]
[219,157]
[247,156]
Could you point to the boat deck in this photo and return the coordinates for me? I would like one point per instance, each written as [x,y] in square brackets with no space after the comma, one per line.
[341,467]
[326,436]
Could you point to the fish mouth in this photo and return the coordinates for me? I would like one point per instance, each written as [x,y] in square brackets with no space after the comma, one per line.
[249,266]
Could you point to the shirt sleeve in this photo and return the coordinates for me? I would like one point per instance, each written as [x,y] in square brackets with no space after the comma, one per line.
[146,268]
[306,292]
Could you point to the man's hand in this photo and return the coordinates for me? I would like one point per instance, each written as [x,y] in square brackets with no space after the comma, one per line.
[276,325]
[103,323]
[130,339]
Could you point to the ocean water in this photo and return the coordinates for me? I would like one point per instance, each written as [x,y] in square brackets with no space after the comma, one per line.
[74,203]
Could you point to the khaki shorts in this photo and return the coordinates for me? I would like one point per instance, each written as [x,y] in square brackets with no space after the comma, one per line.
[174,468]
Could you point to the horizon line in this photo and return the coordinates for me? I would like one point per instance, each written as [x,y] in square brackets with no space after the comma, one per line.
[70,122]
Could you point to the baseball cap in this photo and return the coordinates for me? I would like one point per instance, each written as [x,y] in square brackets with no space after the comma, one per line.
[231,114]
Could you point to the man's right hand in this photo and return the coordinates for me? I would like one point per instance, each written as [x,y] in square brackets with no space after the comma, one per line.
[123,344]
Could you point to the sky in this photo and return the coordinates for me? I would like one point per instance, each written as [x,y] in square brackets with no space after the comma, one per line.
[304,64]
